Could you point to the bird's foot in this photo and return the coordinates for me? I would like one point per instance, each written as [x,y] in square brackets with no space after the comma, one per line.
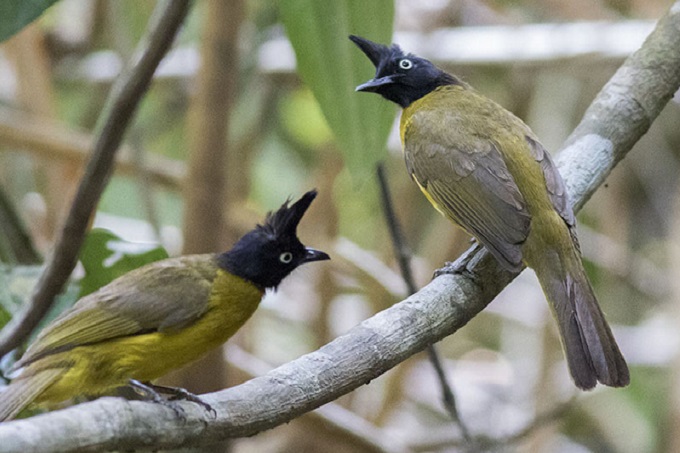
[149,393]
[460,265]
[178,393]
[152,392]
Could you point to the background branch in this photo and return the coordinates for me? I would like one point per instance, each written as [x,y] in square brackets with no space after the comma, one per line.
[403,255]
[46,138]
[619,116]
[123,101]
[15,242]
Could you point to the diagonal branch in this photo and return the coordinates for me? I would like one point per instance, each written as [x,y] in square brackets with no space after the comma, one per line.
[121,106]
[618,117]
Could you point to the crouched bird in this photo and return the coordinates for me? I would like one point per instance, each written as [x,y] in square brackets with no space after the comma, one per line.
[158,318]
[485,170]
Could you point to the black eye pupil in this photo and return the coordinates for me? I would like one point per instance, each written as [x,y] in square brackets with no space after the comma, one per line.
[405,64]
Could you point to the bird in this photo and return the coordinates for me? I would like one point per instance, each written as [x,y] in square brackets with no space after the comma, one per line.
[485,170]
[158,318]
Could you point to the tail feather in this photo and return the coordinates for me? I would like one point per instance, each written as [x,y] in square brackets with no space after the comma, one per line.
[591,350]
[23,391]
[607,361]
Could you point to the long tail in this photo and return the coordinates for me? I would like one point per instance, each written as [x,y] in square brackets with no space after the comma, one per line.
[591,350]
[23,391]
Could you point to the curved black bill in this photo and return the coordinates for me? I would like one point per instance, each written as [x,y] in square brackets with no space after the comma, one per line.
[374,84]
[315,255]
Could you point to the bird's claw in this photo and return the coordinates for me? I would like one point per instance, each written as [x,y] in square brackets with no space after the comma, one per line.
[184,394]
[153,392]
[460,265]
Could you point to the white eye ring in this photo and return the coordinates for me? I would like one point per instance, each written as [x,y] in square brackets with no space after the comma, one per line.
[286,257]
[405,63]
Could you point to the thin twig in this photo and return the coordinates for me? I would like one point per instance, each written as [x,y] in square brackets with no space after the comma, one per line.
[403,255]
[485,443]
[540,421]
[401,251]
[15,234]
[121,106]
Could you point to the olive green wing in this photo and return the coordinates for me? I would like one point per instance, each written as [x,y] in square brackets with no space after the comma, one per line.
[557,190]
[473,187]
[161,296]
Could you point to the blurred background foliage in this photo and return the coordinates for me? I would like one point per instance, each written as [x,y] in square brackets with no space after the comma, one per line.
[231,128]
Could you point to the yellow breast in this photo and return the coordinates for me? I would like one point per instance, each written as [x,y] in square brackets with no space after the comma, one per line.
[96,369]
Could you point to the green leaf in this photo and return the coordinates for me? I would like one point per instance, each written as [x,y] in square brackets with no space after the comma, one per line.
[16,288]
[332,67]
[16,14]
[105,257]
[8,304]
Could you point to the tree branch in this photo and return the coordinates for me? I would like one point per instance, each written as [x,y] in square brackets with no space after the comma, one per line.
[618,117]
[121,106]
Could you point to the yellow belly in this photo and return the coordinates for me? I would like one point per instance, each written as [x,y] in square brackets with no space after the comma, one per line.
[99,368]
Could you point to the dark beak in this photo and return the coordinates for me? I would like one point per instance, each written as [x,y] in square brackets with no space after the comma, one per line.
[315,255]
[374,85]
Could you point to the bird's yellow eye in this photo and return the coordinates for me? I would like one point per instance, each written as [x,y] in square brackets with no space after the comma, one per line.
[286,257]
[405,64]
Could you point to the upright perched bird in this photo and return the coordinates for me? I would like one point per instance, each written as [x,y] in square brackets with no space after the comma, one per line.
[158,318]
[484,169]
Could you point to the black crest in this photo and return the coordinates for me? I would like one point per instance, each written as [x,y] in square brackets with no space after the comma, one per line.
[284,221]
[378,53]
[272,250]
[399,77]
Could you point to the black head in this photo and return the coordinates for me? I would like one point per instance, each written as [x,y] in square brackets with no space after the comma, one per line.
[399,77]
[271,251]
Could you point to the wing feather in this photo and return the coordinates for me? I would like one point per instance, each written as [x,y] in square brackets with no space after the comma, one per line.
[161,296]
[473,187]
[557,190]
[468,179]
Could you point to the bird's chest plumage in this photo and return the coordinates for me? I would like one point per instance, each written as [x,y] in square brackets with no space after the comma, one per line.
[150,355]
[480,166]
[232,302]
[455,117]
[453,130]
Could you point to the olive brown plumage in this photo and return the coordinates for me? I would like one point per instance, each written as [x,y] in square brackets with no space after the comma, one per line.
[484,169]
